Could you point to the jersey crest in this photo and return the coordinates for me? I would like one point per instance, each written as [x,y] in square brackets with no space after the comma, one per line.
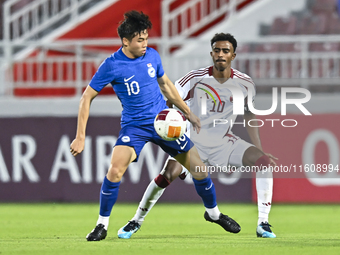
[151,70]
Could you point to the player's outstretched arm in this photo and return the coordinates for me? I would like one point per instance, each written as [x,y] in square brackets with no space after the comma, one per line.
[254,135]
[77,145]
[170,92]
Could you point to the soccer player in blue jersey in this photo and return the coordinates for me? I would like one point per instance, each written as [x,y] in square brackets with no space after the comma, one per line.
[222,148]
[137,76]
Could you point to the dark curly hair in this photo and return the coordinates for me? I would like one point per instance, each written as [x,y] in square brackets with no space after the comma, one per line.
[134,23]
[224,37]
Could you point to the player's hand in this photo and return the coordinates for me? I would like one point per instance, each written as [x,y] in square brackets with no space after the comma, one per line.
[195,122]
[77,146]
[272,158]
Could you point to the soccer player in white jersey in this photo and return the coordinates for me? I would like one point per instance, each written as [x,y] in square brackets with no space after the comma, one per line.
[216,144]
[136,74]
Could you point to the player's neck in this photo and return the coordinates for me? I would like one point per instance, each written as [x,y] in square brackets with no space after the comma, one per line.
[128,53]
[221,75]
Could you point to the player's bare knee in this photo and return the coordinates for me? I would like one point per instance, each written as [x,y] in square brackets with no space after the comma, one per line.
[168,175]
[199,175]
[115,174]
[172,170]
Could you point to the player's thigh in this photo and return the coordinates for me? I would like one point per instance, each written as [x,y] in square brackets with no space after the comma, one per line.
[191,161]
[184,152]
[181,145]
[203,152]
[121,158]
[251,155]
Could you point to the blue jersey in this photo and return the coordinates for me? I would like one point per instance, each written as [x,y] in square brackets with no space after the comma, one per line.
[135,83]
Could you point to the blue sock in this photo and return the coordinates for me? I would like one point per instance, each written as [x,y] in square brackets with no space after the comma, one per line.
[108,196]
[206,190]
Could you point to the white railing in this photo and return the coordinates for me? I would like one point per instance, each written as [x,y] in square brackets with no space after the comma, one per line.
[188,18]
[300,68]
[72,64]
[25,20]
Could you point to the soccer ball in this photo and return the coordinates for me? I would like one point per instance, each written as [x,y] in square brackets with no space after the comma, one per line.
[170,124]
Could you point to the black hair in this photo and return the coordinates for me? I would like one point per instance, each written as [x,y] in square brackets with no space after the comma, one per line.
[134,23]
[224,37]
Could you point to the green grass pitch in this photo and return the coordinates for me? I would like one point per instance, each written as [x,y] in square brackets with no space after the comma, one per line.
[169,229]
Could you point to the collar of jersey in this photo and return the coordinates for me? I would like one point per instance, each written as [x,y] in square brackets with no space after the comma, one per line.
[122,56]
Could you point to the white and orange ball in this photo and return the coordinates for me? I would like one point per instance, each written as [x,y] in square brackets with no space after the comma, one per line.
[170,124]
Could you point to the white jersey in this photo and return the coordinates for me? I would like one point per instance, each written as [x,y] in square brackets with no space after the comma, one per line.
[212,102]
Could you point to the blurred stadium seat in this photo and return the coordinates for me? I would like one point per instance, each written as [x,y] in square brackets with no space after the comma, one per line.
[279,26]
[292,25]
[327,7]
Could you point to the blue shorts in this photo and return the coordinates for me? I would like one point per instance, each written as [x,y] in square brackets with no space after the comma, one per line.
[137,136]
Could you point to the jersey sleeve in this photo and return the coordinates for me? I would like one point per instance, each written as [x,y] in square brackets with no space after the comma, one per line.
[160,70]
[252,89]
[183,89]
[103,76]
[186,84]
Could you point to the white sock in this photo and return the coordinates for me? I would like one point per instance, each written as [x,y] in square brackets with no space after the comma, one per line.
[150,197]
[264,188]
[103,220]
[214,213]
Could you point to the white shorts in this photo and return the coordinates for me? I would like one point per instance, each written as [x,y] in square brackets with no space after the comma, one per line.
[228,153]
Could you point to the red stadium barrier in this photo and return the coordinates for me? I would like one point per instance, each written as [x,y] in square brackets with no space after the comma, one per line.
[309,146]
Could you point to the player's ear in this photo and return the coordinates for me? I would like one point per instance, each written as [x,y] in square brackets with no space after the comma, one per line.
[125,42]
[211,54]
[233,57]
